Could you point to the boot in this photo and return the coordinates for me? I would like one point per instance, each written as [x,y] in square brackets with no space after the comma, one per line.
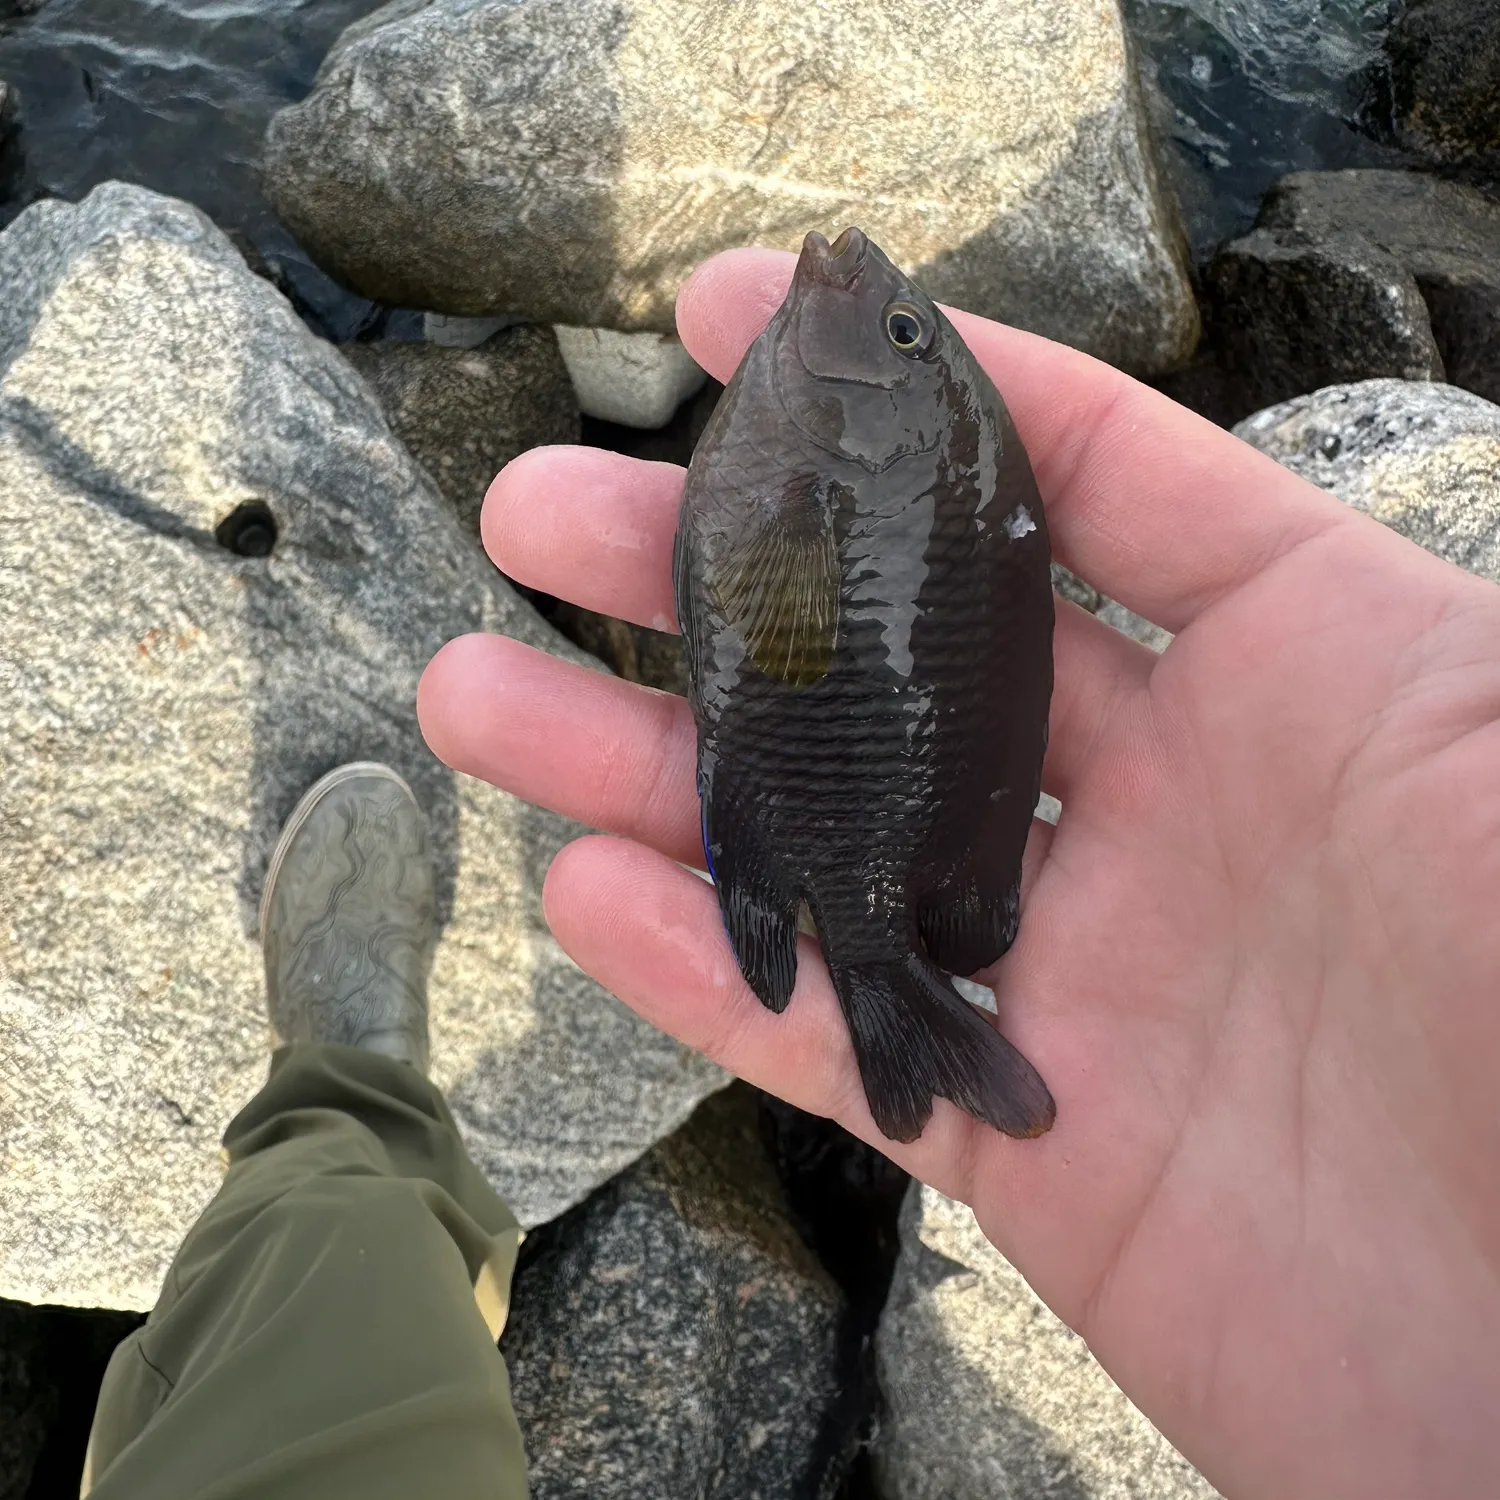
[348,920]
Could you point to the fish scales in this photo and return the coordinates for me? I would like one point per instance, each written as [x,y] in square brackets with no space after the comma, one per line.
[863,584]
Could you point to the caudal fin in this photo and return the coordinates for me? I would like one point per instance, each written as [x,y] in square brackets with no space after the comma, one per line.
[915,1036]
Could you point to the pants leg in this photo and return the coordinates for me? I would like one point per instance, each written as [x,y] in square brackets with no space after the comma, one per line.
[328,1327]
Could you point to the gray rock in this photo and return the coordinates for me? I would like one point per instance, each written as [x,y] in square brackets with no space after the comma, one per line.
[465,413]
[1445,77]
[1423,458]
[1361,274]
[163,703]
[1086,596]
[674,1336]
[989,1396]
[636,379]
[575,159]
[464,333]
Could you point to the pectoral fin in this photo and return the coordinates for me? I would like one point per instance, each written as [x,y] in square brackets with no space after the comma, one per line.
[778,585]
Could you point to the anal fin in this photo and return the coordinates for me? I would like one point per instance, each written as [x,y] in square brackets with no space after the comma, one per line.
[759,906]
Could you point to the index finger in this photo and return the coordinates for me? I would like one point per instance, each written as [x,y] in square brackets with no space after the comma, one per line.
[1150,503]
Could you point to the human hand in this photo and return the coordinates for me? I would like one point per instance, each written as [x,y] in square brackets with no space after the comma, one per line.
[1258,963]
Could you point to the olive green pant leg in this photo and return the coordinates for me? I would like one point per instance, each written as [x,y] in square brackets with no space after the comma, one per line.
[328,1327]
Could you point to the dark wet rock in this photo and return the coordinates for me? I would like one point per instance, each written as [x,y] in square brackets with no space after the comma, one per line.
[52,1361]
[988,1393]
[573,160]
[675,1336]
[1423,458]
[1289,316]
[1357,275]
[634,652]
[465,413]
[1445,80]
[13,187]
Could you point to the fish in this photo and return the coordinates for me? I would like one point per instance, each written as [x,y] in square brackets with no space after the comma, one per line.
[862,579]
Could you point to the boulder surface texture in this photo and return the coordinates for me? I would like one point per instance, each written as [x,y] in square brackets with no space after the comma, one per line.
[165,700]
[990,1396]
[573,160]
[1356,275]
[1420,456]
[465,413]
[674,1336]
[1445,76]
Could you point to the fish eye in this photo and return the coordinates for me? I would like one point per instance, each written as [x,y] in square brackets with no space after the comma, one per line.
[909,328]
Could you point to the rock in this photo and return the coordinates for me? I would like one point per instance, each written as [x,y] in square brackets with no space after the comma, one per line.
[164,701]
[1291,318]
[1423,458]
[631,651]
[465,413]
[464,333]
[1359,274]
[635,379]
[27,1406]
[12,156]
[1137,627]
[674,1336]
[989,1394]
[52,1362]
[1445,81]
[1086,596]
[574,159]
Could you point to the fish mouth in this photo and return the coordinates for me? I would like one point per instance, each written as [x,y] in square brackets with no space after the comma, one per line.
[835,265]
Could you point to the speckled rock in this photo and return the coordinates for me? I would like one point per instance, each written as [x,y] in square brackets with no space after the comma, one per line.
[165,700]
[1071,586]
[636,379]
[1361,274]
[674,1336]
[465,413]
[989,1396]
[1445,76]
[575,159]
[1424,458]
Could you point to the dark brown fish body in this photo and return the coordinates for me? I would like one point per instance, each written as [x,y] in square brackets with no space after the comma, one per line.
[863,584]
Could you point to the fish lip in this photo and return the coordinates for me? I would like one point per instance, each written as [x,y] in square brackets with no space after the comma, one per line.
[835,265]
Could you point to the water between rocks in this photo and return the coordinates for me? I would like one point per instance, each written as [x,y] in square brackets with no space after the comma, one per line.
[1249,90]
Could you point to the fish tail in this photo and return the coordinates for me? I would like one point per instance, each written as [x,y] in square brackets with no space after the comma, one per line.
[915,1036]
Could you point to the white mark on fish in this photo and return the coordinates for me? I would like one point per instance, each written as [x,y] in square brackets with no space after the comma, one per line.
[1019,523]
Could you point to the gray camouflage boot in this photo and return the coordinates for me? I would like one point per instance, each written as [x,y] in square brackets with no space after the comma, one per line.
[348,920]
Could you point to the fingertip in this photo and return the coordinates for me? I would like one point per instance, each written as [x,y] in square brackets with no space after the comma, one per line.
[496,515]
[441,687]
[727,301]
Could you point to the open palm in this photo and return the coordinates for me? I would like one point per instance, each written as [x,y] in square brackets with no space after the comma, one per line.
[1259,958]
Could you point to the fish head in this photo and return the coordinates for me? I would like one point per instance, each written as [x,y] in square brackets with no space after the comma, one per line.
[862,361]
